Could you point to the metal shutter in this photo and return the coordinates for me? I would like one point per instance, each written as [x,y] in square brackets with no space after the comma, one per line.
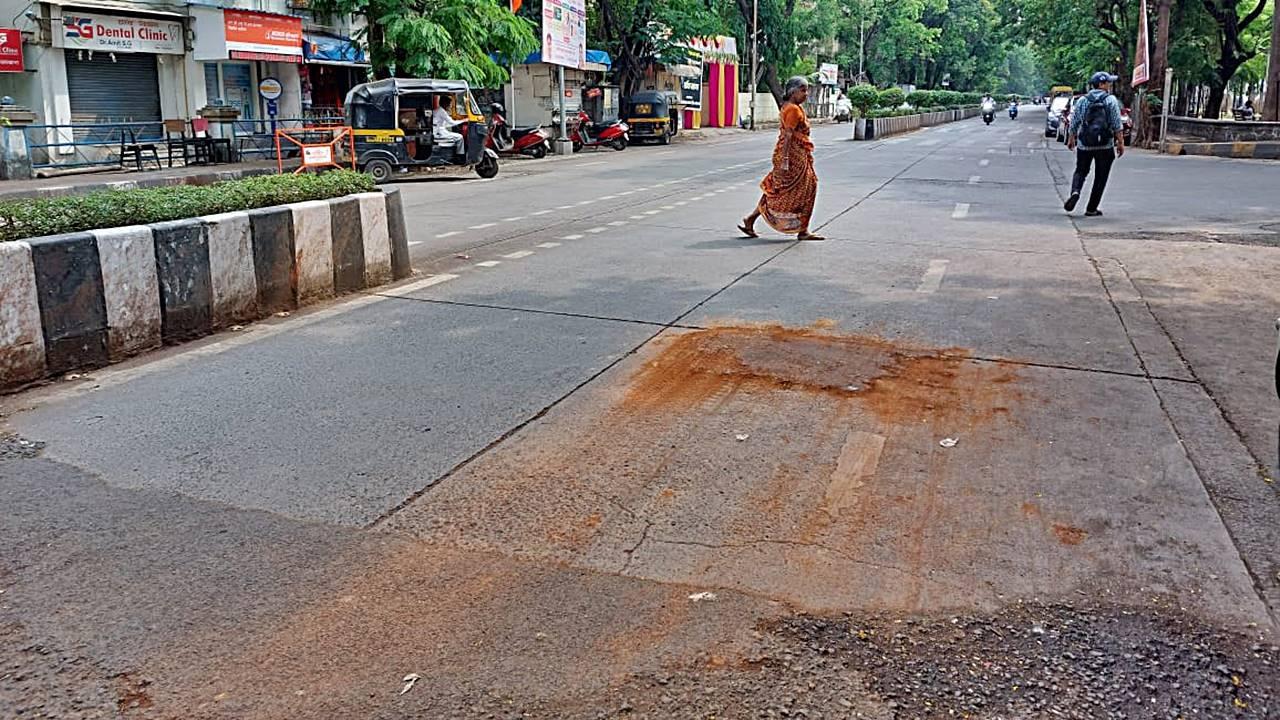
[103,91]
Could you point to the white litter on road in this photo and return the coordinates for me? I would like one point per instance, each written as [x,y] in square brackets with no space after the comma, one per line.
[703,597]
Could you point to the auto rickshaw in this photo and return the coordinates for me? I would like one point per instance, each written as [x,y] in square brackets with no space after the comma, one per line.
[391,122]
[653,115]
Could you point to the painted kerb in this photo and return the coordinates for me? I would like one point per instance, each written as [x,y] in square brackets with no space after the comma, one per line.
[83,300]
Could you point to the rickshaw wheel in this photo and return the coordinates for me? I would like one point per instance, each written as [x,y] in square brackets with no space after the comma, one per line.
[380,170]
[487,168]
[665,139]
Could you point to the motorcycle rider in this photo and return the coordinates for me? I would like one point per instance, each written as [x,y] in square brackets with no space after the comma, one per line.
[988,108]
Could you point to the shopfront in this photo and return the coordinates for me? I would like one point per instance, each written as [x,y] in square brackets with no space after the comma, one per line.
[333,65]
[238,49]
[119,67]
[719,107]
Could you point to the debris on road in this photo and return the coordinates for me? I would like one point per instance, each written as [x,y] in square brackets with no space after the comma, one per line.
[703,597]
[283,314]
[462,256]
[409,681]
[741,437]
[948,442]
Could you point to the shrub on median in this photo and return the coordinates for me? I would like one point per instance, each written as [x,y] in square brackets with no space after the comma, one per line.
[25,218]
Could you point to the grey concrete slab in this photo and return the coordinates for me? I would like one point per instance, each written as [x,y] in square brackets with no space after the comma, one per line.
[736,459]
[339,420]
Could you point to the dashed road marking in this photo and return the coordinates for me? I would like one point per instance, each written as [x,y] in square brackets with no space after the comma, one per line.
[617,223]
[564,207]
[585,202]
[984,162]
[548,245]
[652,212]
[608,197]
[932,279]
[682,202]
[595,230]
[420,284]
[414,242]
[489,263]
[636,217]
[482,226]
[973,179]
[517,218]
[961,212]
[543,212]
[451,233]
[518,254]
[571,237]
[668,207]
[624,194]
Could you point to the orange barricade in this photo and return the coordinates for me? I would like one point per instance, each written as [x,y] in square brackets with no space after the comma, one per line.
[317,154]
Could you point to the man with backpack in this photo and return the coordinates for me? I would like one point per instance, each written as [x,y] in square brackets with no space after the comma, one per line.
[1098,132]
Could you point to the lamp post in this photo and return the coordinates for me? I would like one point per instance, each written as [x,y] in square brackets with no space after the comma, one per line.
[755,37]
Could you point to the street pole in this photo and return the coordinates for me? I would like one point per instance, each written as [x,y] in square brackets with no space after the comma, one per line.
[755,78]
[1271,103]
[1166,107]
[564,146]
[862,38]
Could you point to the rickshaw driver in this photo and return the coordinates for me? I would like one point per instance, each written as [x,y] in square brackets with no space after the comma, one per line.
[442,122]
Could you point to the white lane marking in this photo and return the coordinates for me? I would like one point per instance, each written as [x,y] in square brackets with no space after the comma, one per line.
[636,217]
[548,245]
[595,230]
[617,223]
[992,151]
[420,284]
[489,263]
[451,233]
[518,254]
[652,212]
[624,194]
[608,197]
[564,207]
[973,179]
[932,279]
[517,218]
[414,242]
[671,207]
[585,202]
[571,237]
[482,226]
[961,212]
[984,162]
[643,189]
[543,212]
[682,202]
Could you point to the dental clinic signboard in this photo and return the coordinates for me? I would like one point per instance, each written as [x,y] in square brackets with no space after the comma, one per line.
[118,33]
[564,33]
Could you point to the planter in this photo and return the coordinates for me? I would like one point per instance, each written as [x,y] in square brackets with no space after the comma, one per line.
[83,300]
[860,128]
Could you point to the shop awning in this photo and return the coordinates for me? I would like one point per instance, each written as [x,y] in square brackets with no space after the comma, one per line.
[326,49]
[594,57]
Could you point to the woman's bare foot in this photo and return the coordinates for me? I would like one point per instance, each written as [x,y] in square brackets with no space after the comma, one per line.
[806,235]
[748,228]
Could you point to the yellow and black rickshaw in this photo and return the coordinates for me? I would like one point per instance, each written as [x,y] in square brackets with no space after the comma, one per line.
[653,115]
[392,126]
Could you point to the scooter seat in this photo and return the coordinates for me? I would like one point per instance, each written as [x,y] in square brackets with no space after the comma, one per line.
[525,130]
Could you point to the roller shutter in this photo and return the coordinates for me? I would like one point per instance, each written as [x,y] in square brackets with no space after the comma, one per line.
[102,90]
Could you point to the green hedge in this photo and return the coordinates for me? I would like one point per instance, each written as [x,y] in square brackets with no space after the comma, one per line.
[25,218]
[891,97]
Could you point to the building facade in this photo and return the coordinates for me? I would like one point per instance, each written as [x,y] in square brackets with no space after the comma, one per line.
[105,61]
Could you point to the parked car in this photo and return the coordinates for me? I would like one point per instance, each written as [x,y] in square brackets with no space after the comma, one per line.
[1053,117]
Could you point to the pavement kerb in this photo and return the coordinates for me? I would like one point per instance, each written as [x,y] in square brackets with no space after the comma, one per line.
[84,300]
[1259,150]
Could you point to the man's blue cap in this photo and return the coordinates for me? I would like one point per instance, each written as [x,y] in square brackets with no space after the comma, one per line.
[1101,77]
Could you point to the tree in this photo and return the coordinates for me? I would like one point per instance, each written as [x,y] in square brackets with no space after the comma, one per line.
[1271,108]
[440,38]
[640,33]
[1233,50]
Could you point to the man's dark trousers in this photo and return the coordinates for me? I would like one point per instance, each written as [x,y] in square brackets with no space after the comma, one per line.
[1103,158]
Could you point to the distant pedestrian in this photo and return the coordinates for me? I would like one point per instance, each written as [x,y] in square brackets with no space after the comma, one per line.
[792,187]
[1098,132]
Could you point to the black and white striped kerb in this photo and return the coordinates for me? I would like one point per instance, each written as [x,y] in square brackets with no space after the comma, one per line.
[186,283]
[73,309]
[86,299]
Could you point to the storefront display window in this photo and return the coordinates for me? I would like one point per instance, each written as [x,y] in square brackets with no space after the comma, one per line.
[231,84]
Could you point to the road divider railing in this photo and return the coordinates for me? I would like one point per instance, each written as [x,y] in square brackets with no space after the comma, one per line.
[82,300]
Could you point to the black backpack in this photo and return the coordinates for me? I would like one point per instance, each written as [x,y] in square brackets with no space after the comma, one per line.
[1096,127]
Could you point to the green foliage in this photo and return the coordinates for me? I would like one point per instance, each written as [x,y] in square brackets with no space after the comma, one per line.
[114,208]
[440,38]
[641,33]
[891,97]
[923,99]
[863,98]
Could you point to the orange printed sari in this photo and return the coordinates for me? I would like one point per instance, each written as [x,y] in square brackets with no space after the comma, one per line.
[792,187]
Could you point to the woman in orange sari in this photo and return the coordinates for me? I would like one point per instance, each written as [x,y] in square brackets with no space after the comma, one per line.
[791,188]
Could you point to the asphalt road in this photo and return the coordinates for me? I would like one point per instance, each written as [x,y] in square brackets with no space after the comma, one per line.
[971,456]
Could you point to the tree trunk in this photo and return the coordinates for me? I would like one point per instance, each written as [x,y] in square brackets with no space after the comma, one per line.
[1213,106]
[774,84]
[1271,106]
[1155,85]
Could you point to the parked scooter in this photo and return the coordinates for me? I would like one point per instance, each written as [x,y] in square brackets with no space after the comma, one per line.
[585,133]
[534,140]
[1013,111]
